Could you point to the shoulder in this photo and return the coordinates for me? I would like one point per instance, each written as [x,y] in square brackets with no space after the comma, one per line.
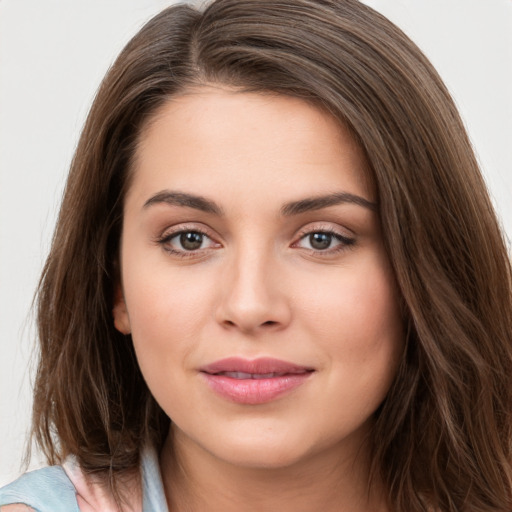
[16,507]
[47,489]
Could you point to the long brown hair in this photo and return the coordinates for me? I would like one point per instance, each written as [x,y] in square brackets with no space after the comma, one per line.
[442,437]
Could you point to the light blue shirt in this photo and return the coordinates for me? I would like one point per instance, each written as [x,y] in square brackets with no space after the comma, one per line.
[50,490]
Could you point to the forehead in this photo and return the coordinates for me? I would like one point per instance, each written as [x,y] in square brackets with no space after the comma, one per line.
[213,134]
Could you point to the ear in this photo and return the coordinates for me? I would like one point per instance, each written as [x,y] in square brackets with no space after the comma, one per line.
[120,313]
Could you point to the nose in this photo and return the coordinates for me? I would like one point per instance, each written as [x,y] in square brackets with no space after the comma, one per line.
[253,296]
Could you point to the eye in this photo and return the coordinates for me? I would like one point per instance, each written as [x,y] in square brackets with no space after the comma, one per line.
[320,241]
[190,240]
[186,242]
[324,241]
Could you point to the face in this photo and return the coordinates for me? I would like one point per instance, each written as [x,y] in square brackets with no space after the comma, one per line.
[255,284]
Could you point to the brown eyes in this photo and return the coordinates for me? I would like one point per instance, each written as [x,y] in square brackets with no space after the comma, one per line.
[192,242]
[187,243]
[321,241]
[324,241]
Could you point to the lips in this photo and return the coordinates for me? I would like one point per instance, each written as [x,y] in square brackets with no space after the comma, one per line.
[253,382]
[243,375]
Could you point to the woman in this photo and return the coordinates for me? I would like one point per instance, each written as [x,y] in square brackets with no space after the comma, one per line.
[277,281]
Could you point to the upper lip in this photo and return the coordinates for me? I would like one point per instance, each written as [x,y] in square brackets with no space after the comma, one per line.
[262,365]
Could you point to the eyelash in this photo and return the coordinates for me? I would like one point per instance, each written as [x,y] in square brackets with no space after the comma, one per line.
[165,239]
[345,242]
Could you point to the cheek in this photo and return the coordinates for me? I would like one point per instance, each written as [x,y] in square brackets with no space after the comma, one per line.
[356,318]
[166,316]
[366,342]
[376,308]
[167,311]
[362,302]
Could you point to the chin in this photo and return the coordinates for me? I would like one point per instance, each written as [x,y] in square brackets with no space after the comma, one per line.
[274,448]
[262,456]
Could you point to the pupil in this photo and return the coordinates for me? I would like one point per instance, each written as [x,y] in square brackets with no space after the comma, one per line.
[320,241]
[191,240]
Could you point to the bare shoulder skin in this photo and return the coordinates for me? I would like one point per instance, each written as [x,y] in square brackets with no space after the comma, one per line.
[16,507]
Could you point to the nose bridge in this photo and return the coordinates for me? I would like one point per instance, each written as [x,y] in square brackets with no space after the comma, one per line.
[252,297]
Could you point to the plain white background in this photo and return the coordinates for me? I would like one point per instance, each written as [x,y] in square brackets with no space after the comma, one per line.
[53,54]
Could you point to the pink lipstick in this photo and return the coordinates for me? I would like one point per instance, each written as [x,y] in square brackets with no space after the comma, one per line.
[253,382]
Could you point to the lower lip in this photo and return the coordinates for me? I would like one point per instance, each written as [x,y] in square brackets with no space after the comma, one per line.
[255,391]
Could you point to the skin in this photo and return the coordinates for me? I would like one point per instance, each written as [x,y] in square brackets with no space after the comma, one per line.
[259,287]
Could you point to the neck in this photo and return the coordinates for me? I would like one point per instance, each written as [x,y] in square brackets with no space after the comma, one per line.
[197,481]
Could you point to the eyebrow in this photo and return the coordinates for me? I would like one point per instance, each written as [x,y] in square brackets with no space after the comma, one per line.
[319,202]
[288,209]
[183,199]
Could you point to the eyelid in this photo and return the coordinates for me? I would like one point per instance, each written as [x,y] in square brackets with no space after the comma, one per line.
[327,227]
[184,227]
[346,241]
[171,232]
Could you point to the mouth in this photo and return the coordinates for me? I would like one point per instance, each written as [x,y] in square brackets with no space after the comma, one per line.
[256,376]
[252,382]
